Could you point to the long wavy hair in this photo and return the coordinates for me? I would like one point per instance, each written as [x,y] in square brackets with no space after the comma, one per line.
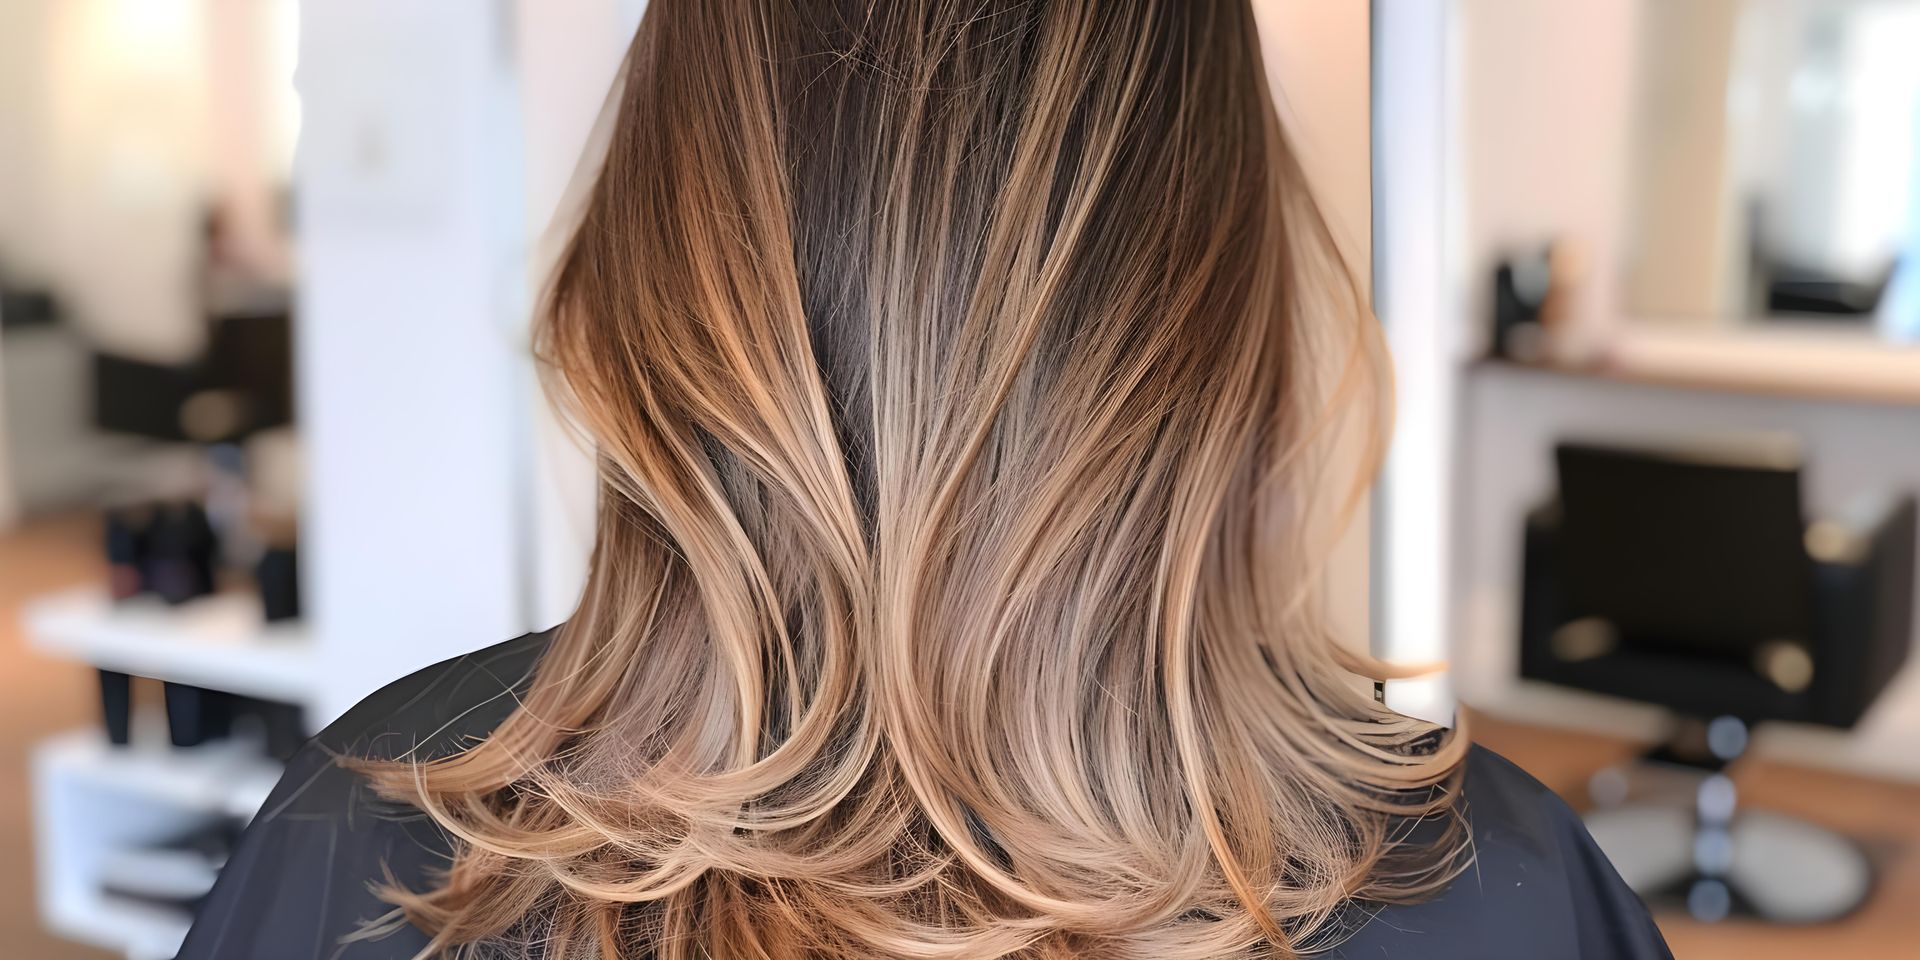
[963,375]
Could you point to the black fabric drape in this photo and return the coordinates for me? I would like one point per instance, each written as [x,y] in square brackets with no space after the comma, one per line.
[300,885]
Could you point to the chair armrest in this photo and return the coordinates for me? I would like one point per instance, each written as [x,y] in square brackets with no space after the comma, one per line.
[1864,591]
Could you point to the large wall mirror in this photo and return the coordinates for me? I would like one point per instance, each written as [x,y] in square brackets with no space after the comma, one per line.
[1774,166]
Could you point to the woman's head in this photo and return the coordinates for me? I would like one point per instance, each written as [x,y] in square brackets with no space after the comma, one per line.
[961,373]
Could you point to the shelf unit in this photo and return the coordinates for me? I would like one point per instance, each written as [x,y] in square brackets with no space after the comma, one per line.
[137,930]
[93,798]
[225,777]
[219,642]
[1817,364]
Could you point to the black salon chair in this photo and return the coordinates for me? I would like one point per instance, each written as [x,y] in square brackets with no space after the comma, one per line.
[1694,582]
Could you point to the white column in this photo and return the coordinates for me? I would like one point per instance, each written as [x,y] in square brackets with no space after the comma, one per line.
[1417,302]
[413,368]
[570,53]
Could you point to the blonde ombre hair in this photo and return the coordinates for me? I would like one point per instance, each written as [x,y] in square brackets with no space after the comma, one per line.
[963,374]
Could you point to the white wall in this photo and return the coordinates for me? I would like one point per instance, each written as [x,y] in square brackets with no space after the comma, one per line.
[570,54]
[125,163]
[1545,115]
[410,339]
[24,62]
[253,122]
[1317,59]
[121,121]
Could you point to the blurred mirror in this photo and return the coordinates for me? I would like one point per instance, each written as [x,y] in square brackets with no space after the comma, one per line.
[1775,167]
[146,265]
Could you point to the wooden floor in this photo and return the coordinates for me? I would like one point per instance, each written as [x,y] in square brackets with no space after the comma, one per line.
[40,696]
[1884,817]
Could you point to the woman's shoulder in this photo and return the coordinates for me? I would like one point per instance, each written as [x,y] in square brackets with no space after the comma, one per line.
[438,708]
[299,883]
[1537,887]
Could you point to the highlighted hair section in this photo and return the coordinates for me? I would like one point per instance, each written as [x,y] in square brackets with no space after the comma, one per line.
[964,375]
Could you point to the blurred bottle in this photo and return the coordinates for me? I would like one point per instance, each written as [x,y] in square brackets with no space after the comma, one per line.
[126,530]
[1532,306]
[126,535]
[181,553]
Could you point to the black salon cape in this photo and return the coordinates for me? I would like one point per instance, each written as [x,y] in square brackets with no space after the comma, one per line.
[301,880]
